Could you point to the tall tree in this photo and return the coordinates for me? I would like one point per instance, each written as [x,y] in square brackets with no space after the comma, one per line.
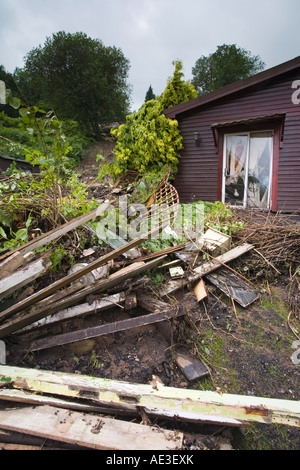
[80,78]
[177,90]
[150,95]
[228,64]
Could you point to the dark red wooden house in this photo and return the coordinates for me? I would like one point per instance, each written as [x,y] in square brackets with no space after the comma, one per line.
[241,143]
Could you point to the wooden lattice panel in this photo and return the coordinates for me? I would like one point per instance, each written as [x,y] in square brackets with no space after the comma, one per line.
[164,205]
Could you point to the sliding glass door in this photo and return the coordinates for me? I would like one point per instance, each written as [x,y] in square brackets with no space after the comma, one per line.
[247,165]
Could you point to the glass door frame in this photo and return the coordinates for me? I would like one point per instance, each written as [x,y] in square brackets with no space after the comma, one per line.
[224,167]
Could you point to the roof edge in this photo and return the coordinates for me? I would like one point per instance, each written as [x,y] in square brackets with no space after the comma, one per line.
[233,87]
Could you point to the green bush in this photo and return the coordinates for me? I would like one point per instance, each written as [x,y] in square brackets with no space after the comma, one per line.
[15,141]
[149,140]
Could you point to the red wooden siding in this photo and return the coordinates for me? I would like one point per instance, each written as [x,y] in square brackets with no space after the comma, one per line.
[199,174]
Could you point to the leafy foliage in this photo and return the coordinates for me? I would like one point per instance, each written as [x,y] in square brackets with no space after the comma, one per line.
[51,197]
[177,90]
[14,139]
[226,65]
[148,140]
[150,94]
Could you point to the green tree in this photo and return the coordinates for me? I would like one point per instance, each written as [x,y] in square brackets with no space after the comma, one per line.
[150,95]
[80,78]
[227,65]
[177,90]
[148,140]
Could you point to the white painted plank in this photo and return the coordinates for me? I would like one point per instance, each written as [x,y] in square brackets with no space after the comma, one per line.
[177,402]
[94,432]
[79,310]
[24,276]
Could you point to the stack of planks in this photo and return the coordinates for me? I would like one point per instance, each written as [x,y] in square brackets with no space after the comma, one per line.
[73,410]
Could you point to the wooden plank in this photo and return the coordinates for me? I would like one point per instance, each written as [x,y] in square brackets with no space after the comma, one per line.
[101,330]
[192,405]
[151,303]
[96,306]
[18,396]
[13,262]
[100,286]
[216,263]
[8,313]
[28,398]
[11,439]
[58,231]
[20,278]
[206,268]
[190,365]
[200,291]
[215,242]
[74,287]
[94,432]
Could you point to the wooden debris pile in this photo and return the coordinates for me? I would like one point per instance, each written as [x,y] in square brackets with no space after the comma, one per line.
[76,410]
[68,297]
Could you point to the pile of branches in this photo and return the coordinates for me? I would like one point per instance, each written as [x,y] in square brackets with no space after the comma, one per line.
[276,239]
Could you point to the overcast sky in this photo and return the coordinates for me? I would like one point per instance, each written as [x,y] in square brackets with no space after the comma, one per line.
[154,33]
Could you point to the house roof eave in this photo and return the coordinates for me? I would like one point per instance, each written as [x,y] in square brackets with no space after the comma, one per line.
[232,88]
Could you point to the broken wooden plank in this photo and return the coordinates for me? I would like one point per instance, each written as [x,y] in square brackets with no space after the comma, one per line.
[71,277]
[233,286]
[216,263]
[61,294]
[24,276]
[13,262]
[95,432]
[130,300]
[96,306]
[101,330]
[191,366]
[99,286]
[151,303]
[58,231]
[19,396]
[192,405]
[32,398]
[12,440]
[177,272]
[200,291]
[206,268]
[215,242]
